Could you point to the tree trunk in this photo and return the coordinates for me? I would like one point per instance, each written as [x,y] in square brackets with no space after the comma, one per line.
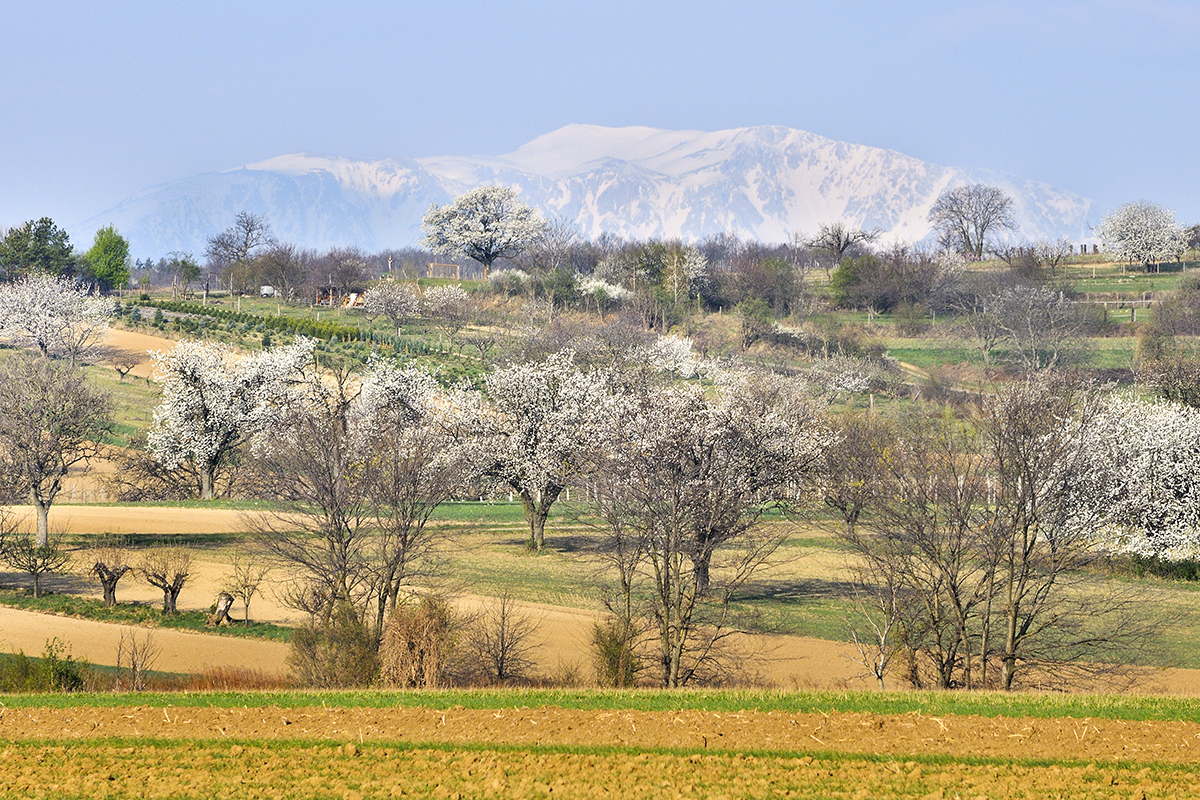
[536,513]
[43,519]
[110,593]
[170,595]
[206,482]
[700,573]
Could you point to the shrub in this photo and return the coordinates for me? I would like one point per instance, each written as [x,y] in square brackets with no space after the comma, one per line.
[416,644]
[617,665]
[51,673]
[339,651]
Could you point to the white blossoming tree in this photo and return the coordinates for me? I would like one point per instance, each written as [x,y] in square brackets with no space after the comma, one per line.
[394,300]
[537,431]
[1149,463]
[213,402]
[484,224]
[53,315]
[1143,233]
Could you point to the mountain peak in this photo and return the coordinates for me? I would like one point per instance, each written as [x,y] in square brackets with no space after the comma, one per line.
[767,182]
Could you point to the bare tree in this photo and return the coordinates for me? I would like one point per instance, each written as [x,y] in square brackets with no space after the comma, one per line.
[837,238]
[135,657]
[1041,326]
[231,251]
[965,215]
[500,640]
[247,571]
[52,422]
[1049,512]
[167,568]
[931,528]
[849,466]
[110,565]
[283,267]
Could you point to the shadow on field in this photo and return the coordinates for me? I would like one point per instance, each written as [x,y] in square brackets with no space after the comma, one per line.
[796,593]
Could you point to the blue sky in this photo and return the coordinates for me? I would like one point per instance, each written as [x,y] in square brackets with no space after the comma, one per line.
[103,100]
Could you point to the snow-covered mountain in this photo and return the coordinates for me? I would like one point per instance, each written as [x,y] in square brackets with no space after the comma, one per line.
[764,183]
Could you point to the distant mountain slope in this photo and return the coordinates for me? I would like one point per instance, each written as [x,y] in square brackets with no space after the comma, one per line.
[764,183]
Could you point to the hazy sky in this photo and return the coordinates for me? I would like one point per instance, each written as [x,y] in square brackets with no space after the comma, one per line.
[102,100]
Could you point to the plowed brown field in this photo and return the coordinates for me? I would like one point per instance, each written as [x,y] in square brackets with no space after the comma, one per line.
[552,752]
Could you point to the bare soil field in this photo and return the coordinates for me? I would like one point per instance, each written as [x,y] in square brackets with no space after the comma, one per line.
[139,343]
[552,752]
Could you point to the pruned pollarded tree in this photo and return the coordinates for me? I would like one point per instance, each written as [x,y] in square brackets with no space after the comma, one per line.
[167,568]
[1143,233]
[213,402]
[52,422]
[484,224]
[537,432]
[965,216]
[111,563]
[53,315]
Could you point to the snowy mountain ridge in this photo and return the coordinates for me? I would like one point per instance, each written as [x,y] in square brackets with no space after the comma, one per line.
[764,182]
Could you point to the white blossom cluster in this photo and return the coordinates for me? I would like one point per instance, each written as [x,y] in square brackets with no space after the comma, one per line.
[541,419]
[484,224]
[674,354]
[213,401]
[448,300]
[53,314]
[393,300]
[593,286]
[508,280]
[1143,233]
[1148,459]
